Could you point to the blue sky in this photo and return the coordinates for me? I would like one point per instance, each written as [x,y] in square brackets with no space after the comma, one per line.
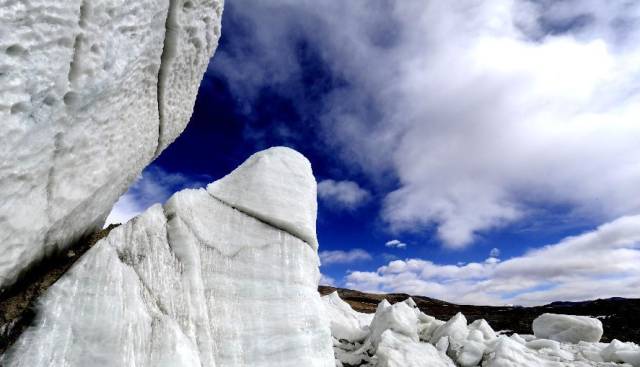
[485,152]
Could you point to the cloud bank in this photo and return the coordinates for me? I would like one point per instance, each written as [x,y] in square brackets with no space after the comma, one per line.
[602,263]
[485,112]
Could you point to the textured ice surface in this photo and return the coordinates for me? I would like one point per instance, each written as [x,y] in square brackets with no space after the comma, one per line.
[345,322]
[80,86]
[392,341]
[193,283]
[291,202]
[620,352]
[397,350]
[193,29]
[399,318]
[567,328]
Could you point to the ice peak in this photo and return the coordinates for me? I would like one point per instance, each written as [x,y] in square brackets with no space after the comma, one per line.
[277,187]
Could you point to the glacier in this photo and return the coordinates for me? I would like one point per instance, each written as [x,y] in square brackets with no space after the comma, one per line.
[199,281]
[91,91]
[567,328]
[400,335]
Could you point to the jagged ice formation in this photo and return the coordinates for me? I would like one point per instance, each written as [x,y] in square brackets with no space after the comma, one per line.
[196,282]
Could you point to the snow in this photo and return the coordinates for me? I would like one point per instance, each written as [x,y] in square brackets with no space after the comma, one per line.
[567,328]
[192,283]
[87,99]
[392,340]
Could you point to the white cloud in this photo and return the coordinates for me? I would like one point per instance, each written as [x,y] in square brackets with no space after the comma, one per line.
[346,194]
[153,186]
[598,264]
[396,244]
[327,280]
[495,252]
[124,209]
[343,257]
[485,111]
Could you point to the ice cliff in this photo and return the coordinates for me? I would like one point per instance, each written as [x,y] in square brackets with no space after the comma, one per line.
[400,335]
[225,276]
[90,92]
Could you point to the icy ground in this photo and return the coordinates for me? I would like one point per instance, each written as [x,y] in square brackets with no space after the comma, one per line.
[400,335]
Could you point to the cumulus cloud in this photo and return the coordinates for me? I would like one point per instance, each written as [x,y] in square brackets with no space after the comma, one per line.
[153,186]
[327,280]
[345,194]
[396,244]
[495,252]
[343,257]
[597,264]
[484,111]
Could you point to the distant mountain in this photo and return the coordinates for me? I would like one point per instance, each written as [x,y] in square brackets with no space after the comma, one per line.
[620,316]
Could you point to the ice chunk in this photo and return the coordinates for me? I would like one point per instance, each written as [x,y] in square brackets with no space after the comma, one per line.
[277,187]
[518,338]
[471,353]
[510,353]
[473,348]
[456,328]
[620,352]
[195,282]
[346,323]
[466,346]
[79,105]
[631,357]
[410,302]
[484,328]
[443,344]
[610,352]
[400,318]
[427,325]
[397,350]
[567,328]
[543,343]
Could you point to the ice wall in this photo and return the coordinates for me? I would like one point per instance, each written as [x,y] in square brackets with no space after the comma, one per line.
[195,282]
[90,92]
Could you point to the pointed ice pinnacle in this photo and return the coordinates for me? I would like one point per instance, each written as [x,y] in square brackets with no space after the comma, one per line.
[277,187]
[195,282]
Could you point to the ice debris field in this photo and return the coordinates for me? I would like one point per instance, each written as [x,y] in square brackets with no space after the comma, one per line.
[400,335]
